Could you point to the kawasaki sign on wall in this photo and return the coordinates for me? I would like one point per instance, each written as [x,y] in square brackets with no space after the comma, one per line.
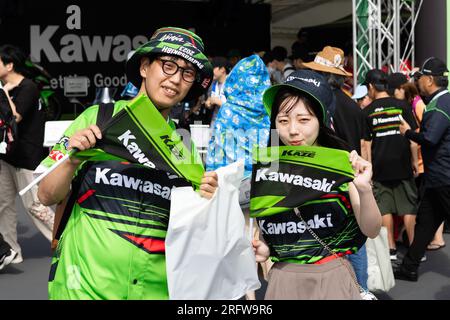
[73,48]
[93,38]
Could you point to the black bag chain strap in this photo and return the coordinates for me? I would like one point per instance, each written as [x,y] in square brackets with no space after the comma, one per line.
[352,273]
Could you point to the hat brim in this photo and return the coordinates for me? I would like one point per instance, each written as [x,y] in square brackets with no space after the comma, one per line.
[357,97]
[270,93]
[319,67]
[151,48]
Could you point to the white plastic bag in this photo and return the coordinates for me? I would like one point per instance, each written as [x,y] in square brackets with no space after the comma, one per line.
[381,277]
[208,255]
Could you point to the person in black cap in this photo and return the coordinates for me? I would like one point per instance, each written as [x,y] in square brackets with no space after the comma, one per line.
[113,244]
[298,111]
[400,88]
[434,137]
[393,157]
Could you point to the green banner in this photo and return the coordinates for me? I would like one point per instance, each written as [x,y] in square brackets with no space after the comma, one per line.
[286,177]
[139,134]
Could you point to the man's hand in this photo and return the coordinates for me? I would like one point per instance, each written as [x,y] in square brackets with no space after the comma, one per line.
[83,140]
[209,184]
[404,126]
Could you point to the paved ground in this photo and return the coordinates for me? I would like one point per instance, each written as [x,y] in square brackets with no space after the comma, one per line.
[28,280]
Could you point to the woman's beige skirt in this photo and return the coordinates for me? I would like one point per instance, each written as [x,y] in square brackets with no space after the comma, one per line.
[328,281]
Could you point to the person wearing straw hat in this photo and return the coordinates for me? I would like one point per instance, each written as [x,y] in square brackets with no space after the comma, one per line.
[304,267]
[113,244]
[347,117]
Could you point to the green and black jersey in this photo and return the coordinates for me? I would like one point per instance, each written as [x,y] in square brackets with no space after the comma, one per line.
[314,180]
[113,244]
[330,217]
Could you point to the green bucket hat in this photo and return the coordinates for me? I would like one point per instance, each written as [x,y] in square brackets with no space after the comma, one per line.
[177,42]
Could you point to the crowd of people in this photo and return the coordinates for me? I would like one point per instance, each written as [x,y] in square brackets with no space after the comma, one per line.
[394,130]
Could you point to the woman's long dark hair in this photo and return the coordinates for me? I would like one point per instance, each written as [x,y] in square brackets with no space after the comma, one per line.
[288,97]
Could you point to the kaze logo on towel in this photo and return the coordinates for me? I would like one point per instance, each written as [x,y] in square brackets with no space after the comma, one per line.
[288,176]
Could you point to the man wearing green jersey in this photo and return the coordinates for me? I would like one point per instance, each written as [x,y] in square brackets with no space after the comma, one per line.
[112,246]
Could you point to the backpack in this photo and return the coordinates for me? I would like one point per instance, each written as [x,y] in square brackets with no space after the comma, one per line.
[8,125]
[64,208]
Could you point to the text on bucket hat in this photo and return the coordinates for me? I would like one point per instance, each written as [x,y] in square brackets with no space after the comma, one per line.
[434,67]
[176,42]
[308,82]
[330,60]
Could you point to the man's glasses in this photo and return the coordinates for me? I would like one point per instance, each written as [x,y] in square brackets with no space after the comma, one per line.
[170,67]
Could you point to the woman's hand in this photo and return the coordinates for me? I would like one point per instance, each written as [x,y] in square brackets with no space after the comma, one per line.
[83,140]
[363,172]
[261,250]
[209,184]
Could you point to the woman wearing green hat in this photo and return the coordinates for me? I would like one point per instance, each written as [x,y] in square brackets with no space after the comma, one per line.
[113,244]
[306,266]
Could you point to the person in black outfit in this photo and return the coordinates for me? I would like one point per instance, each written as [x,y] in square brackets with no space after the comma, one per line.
[26,152]
[434,137]
[393,157]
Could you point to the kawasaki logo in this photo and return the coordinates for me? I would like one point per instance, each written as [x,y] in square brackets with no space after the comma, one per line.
[298,153]
[120,180]
[295,227]
[298,180]
[72,46]
[315,82]
[134,149]
[385,120]
[171,145]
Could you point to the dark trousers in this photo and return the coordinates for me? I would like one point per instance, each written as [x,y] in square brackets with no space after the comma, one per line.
[434,208]
[4,246]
